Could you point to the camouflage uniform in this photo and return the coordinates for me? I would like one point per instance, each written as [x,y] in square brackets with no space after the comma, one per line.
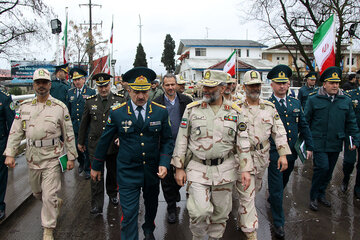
[42,124]
[205,145]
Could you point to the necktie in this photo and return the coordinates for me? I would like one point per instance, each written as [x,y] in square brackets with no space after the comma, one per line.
[78,93]
[282,105]
[140,119]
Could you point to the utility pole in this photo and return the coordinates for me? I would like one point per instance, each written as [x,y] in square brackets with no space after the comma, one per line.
[140,27]
[91,47]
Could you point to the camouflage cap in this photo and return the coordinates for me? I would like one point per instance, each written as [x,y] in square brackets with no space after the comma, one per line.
[252,77]
[213,78]
[42,74]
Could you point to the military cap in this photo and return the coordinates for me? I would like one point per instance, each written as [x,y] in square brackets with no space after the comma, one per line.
[102,79]
[311,75]
[280,73]
[180,79]
[213,78]
[252,77]
[76,73]
[331,74]
[42,74]
[139,78]
[64,67]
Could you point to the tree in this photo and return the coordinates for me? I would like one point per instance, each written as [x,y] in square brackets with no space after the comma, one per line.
[140,58]
[79,46]
[296,21]
[168,54]
[21,22]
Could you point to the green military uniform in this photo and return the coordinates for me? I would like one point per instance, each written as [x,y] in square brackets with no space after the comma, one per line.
[59,87]
[125,93]
[305,90]
[145,144]
[330,118]
[154,93]
[7,114]
[96,112]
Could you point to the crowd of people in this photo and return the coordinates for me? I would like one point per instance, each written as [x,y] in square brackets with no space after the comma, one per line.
[151,133]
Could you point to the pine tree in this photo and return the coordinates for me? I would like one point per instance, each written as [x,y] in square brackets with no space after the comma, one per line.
[168,54]
[140,58]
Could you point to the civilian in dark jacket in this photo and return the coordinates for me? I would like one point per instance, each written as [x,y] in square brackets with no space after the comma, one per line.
[175,103]
[351,83]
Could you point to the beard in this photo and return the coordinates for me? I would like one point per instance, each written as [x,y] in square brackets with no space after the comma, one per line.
[213,96]
[253,94]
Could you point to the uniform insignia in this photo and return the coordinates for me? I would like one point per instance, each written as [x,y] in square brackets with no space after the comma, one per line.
[159,105]
[269,103]
[119,106]
[242,126]
[198,131]
[193,104]
[156,123]
[109,120]
[24,124]
[183,123]
[93,107]
[7,94]
[12,106]
[85,96]
[355,102]
[67,117]
[236,107]
[33,101]
[203,105]
[231,131]
[72,98]
[262,106]
[126,124]
[48,102]
[92,96]
[129,112]
[227,107]
[207,75]
[277,117]
[230,118]
[150,110]
[17,115]
[118,94]
[296,110]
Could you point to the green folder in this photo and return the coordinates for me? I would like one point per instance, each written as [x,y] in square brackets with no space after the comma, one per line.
[300,148]
[63,162]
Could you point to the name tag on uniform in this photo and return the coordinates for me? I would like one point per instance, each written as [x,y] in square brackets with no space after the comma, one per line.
[230,118]
[199,118]
[156,123]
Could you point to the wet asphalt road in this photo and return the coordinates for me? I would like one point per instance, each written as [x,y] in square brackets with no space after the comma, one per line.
[342,221]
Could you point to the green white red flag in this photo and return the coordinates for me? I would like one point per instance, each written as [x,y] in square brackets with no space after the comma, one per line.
[324,45]
[65,50]
[230,64]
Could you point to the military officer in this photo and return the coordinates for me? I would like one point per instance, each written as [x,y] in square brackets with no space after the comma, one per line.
[155,90]
[263,121]
[96,111]
[124,90]
[180,86]
[42,121]
[209,132]
[292,116]
[330,115]
[60,86]
[308,88]
[7,114]
[350,156]
[77,97]
[144,153]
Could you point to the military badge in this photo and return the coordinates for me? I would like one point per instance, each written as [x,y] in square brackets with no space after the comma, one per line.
[198,131]
[231,131]
[17,115]
[207,75]
[355,103]
[155,123]
[230,118]
[24,124]
[67,117]
[277,117]
[72,98]
[93,107]
[109,120]
[12,106]
[48,103]
[242,126]
[33,101]
[296,110]
[227,107]
[183,123]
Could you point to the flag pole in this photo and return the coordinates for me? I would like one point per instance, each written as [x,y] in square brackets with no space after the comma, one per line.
[236,67]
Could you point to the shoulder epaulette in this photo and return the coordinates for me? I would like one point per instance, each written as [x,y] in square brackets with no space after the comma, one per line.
[92,96]
[27,101]
[347,94]
[292,97]
[7,94]
[266,102]
[119,95]
[350,90]
[312,93]
[72,88]
[119,106]
[58,102]
[236,107]
[193,104]
[159,105]
[239,101]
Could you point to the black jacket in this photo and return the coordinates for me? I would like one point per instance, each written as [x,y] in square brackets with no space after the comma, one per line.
[183,100]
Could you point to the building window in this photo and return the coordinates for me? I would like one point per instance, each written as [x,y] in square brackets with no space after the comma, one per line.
[200,51]
[247,53]
[277,58]
[352,61]
[282,58]
[238,51]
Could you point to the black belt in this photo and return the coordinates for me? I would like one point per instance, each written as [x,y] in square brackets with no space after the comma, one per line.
[213,162]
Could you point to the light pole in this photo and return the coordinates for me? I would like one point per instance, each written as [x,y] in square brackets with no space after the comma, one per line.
[56,29]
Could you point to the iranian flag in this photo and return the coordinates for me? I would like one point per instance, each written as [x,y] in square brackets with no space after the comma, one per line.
[112,30]
[324,45]
[230,64]
[65,50]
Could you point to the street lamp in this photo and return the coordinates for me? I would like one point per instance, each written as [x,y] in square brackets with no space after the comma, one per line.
[56,29]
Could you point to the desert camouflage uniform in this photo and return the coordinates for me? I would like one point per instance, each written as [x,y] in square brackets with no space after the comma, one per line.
[42,124]
[263,121]
[204,136]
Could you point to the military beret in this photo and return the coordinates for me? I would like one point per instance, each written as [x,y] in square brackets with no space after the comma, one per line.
[76,73]
[64,67]
[331,74]
[312,75]
[280,73]
[139,78]
[102,79]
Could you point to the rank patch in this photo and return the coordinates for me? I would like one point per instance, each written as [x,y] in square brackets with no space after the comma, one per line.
[183,123]
[93,107]
[67,117]
[48,102]
[17,115]
[109,120]
[230,118]
[155,123]
[12,106]
[242,126]
[277,117]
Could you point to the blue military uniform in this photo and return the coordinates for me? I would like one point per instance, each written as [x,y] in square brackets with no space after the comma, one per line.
[59,88]
[292,116]
[76,105]
[7,114]
[305,90]
[330,118]
[145,144]
[350,156]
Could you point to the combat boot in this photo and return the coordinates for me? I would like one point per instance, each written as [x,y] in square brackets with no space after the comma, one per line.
[48,234]
[251,235]
[59,205]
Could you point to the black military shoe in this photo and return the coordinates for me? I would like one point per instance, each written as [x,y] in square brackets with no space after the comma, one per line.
[114,200]
[324,201]
[2,214]
[96,210]
[314,205]
[344,187]
[80,169]
[149,236]
[279,232]
[171,217]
